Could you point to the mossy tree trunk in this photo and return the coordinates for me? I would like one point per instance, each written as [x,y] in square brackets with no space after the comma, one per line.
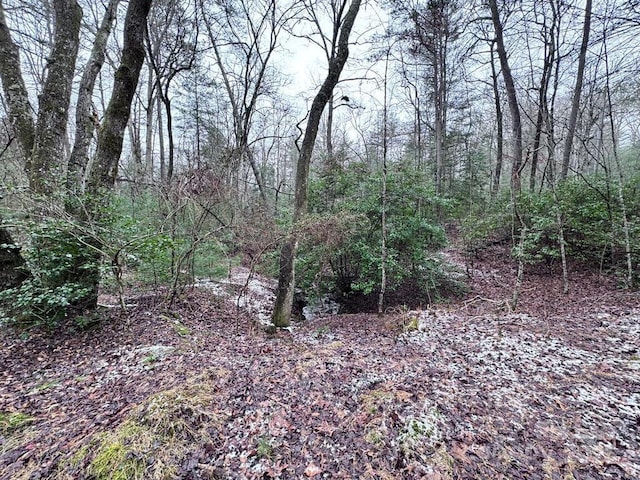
[111,133]
[46,164]
[85,117]
[43,140]
[286,280]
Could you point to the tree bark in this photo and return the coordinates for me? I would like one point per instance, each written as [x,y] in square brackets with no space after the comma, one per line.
[286,281]
[46,166]
[20,114]
[85,118]
[20,109]
[500,133]
[111,133]
[512,98]
[577,92]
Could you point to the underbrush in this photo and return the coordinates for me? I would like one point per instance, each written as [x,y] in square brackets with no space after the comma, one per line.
[587,210]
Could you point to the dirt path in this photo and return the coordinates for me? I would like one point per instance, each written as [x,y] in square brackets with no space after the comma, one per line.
[466,391]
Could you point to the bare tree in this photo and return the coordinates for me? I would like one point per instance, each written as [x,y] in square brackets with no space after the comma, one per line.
[86,118]
[512,97]
[343,23]
[172,47]
[577,92]
[244,36]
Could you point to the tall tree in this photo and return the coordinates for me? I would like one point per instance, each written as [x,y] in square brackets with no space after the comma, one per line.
[343,23]
[512,97]
[244,36]
[497,172]
[43,140]
[85,112]
[577,92]
[111,133]
[432,27]
[171,41]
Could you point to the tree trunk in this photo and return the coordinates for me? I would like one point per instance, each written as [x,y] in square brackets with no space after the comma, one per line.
[85,117]
[12,271]
[577,92]
[47,166]
[15,91]
[19,111]
[111,133]
[512,98]
[500,122]
[286,281]
[148,153]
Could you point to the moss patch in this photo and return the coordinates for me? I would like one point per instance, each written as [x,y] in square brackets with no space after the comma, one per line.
[12,422]
[155,439]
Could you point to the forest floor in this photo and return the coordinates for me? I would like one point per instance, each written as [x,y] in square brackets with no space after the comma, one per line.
[466,390]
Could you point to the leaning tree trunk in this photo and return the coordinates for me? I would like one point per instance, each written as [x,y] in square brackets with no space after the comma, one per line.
[577,92]
[286,280]
[103,174]
[512,98]
[85,118]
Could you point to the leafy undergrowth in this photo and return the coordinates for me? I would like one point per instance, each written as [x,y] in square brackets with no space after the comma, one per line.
[465,391]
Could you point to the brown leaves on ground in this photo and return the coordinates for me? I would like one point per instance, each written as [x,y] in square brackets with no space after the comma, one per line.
[551,391]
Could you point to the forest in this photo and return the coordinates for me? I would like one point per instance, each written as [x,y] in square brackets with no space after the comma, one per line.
[319,238]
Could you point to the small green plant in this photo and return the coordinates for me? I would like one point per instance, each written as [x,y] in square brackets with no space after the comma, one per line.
[181,329]
[64,266]
[47,386]
[421,435]
[374,437]
[149,360]
[264,448]
[11,422]
[322,331]
[411,324]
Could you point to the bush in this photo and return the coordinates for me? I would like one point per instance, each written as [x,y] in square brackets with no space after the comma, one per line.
[346,259]
[591,217]
[64,272]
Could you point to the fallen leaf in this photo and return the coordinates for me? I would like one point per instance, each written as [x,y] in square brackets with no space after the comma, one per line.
[312,470]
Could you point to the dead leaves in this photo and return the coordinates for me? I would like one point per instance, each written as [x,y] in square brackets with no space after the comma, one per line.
[469,396]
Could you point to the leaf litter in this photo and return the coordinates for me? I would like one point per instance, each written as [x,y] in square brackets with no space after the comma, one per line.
[475,391]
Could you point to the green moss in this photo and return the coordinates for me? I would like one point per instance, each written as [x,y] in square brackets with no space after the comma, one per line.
[116,458]
[181,329]
[12,422]
[154,440]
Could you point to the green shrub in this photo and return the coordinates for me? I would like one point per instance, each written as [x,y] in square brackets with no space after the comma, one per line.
[591,217]
[346,256]
[64,267]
